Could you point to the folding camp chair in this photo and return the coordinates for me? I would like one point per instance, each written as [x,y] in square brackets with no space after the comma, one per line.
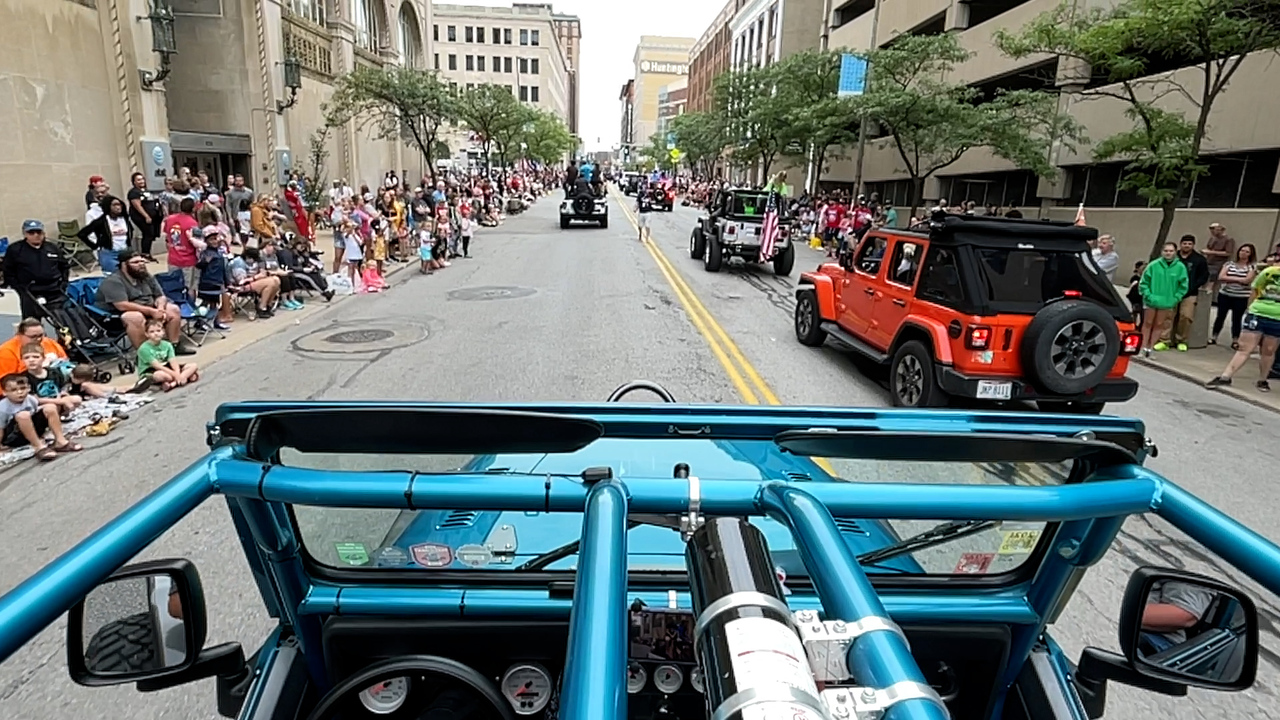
[197,317]
[72,248]
[91,335]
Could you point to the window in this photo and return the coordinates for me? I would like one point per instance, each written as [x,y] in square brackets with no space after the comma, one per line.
[506,64]
[435,33]
[366,23]
[524,37]
[1021,280]
[480,35]
[496,34]
[451,32]
[471,62]
[497,64]
[905,262]
[506,36]
[533,93]
[870,255]
[312,10]
[524,93]
[471,86]
[533,37]
[436,61]
[940,281]
[453,61]
[469,34]
[533,66]
[480,63]
[524,65]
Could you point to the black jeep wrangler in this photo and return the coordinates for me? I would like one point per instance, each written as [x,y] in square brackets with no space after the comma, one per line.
[731,228]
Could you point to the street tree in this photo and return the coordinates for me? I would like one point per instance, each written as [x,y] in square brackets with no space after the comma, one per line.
[932,122]
[816,118]
[656,154]
[754,116]
[487,110]
[1126,53]
[395,103]
[510,131]
[546,139]
[314,192]
[701,137]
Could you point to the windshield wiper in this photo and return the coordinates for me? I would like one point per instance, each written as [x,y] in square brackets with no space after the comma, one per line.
[937,535]
[566,550]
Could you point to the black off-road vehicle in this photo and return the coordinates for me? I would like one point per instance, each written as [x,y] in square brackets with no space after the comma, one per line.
[731,228]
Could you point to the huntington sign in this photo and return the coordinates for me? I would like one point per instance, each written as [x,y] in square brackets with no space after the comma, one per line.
[664,68]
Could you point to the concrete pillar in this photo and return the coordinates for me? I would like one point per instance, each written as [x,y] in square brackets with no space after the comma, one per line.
[957,17]
[141,115]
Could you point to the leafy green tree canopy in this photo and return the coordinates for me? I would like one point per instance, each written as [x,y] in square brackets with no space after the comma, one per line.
[489,111]
[701,137]
[395,103]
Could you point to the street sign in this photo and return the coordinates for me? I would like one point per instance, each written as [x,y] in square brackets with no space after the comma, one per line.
[676,154]
[853,75]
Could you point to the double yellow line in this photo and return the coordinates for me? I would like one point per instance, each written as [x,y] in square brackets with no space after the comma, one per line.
[746,380]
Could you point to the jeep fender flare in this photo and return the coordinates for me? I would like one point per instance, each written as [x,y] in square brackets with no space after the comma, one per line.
[926,328]
[821,286]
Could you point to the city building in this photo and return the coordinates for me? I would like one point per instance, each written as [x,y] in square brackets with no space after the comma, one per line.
[765,31]
[672,100]
[710,58]
[627,98]
[659,61]
[1241,190]
[569,30]
[89,88]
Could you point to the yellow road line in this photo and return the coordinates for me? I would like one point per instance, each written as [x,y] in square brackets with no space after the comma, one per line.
[715,336]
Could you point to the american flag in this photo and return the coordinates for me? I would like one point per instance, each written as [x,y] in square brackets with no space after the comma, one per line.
[770,231]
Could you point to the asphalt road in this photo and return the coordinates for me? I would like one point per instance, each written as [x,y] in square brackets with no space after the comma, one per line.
[541,314]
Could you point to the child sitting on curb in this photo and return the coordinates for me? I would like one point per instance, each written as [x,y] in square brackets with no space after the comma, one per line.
[157,360]
[84,386]
[47,384]
[26,421]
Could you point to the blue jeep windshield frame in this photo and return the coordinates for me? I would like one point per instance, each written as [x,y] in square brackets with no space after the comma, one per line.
[431,541]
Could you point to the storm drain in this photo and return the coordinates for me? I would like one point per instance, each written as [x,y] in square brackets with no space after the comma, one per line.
[359,337]
[490,292]
[370,336]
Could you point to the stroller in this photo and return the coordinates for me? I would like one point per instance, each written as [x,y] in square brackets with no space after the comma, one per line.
[89,334]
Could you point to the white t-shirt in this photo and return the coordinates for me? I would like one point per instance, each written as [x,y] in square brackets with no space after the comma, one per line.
[119,233]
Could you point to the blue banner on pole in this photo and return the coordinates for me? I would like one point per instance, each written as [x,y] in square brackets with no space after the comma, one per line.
[853,75]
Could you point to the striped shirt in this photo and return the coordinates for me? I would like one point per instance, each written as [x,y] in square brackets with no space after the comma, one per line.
[1238,272]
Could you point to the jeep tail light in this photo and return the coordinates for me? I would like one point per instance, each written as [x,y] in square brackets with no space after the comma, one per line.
[730,230]
[671,194]
[1132,342]
[1071,293]
[979,337]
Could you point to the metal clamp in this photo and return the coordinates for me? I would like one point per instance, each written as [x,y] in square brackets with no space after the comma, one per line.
[826,643]
[779,694]
[692,520]
[871,704]
[736,600]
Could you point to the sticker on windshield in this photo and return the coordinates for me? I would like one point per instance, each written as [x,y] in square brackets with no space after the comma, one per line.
[390,557]
[475,556]
[1019,542]
[431,555]
[352,553]
[974,563]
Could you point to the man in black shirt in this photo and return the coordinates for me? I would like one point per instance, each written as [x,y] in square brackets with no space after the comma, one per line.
[1197,276]
[37,270]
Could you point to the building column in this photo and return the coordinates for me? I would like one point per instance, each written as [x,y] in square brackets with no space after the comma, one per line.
[141,115]
[957,17]
[264,30]
[343,62]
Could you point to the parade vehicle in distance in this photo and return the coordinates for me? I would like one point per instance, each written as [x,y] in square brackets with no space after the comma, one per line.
[631,182]
[584,204]
[977,307]
[662,196]
[731,226]
[627,560]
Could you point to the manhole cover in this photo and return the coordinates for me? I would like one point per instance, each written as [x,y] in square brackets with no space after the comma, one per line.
[359,337]
[491,292]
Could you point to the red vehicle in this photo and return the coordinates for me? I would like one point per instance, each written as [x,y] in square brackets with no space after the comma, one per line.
[977,307]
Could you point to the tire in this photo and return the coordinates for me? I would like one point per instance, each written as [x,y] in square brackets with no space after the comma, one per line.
[809,321]
[1070,408]
[697,244]
[1069,347]
[564,223]
[126,646]
[785,261]
[714,257]
[604,222]
[912,383]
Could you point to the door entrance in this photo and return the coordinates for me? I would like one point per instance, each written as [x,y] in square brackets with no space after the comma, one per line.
[216,165]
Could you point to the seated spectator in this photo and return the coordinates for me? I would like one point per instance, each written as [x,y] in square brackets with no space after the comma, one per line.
[30,330]
[136,297]
[305,265]
[48,384]
[85,387]
[248,275]
[288,283]
[158,361]
[25,421]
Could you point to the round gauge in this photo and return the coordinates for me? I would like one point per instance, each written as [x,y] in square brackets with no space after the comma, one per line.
[695,679]
[386,697]
[527,687]
[636,677]
[668,678]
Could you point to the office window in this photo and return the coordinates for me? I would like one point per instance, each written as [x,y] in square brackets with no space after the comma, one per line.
[506,64]
[506,36]
[533,37]
[471,62]
[524,65]
[470,34]
[453,61]
[480,63]
[451,32]
[533,66]
[496,34]
[524,37]
[436,62]
[533,93]
[497,64]
[312,10]
[471,86]
[479,34]
[435,33]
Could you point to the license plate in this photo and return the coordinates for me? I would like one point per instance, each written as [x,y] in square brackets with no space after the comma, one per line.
[993,390]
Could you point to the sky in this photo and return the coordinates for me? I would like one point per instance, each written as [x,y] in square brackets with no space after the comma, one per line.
[611,29]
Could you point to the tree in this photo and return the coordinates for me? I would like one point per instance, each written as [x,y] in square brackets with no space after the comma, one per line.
[486,110]
[1125,52]
[546,139]
[314,192]
[932,123]
[701,137]
[397,103]
[657,153]
[753,115]
[815,116]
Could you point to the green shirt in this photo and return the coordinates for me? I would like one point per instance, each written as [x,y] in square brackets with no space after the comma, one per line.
[152,352]
[1267,286]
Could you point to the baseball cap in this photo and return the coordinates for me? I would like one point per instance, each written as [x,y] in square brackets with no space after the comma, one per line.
[95,179]
[32,226]
[211,231]
[214,198]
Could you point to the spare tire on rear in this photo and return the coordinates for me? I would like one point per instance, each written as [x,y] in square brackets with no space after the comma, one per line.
[1069,347]
[583,205]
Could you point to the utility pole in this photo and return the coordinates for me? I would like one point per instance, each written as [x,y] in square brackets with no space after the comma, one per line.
[862,129]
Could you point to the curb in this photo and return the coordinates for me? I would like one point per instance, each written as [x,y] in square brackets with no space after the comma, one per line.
[1199,382]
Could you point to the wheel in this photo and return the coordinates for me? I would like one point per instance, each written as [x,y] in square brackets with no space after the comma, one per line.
[714,257]
[784,261]
[697,244]
[1069,347]
[1070,408]
[125,646]
[808,321]
[126,367]
[564,223]
[912,382]
[604,222]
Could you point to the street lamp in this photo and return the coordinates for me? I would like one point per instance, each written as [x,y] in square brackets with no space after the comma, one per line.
[163,42]
[292,81]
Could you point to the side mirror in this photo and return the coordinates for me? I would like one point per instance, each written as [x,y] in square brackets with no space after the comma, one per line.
[146,621]
[1189,629]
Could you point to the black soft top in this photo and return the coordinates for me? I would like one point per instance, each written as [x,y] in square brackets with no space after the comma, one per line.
[951,229]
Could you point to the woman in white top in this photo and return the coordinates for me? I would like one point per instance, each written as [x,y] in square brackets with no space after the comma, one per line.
[1235,286]
[108,233]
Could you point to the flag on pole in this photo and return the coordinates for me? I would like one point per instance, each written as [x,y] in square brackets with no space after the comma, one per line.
[1080,216]
[770,231]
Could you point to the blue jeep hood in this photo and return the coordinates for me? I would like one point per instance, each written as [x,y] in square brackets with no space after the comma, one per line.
[649,547]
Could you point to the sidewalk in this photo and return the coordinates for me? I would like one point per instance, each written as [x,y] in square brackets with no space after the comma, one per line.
[1198,366]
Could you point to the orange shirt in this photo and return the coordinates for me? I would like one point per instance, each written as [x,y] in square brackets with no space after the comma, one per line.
[11,353]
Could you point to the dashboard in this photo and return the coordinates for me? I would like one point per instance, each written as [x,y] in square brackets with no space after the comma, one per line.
[525,661]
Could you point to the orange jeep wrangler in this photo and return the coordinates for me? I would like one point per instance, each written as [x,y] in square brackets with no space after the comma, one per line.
[977,307]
